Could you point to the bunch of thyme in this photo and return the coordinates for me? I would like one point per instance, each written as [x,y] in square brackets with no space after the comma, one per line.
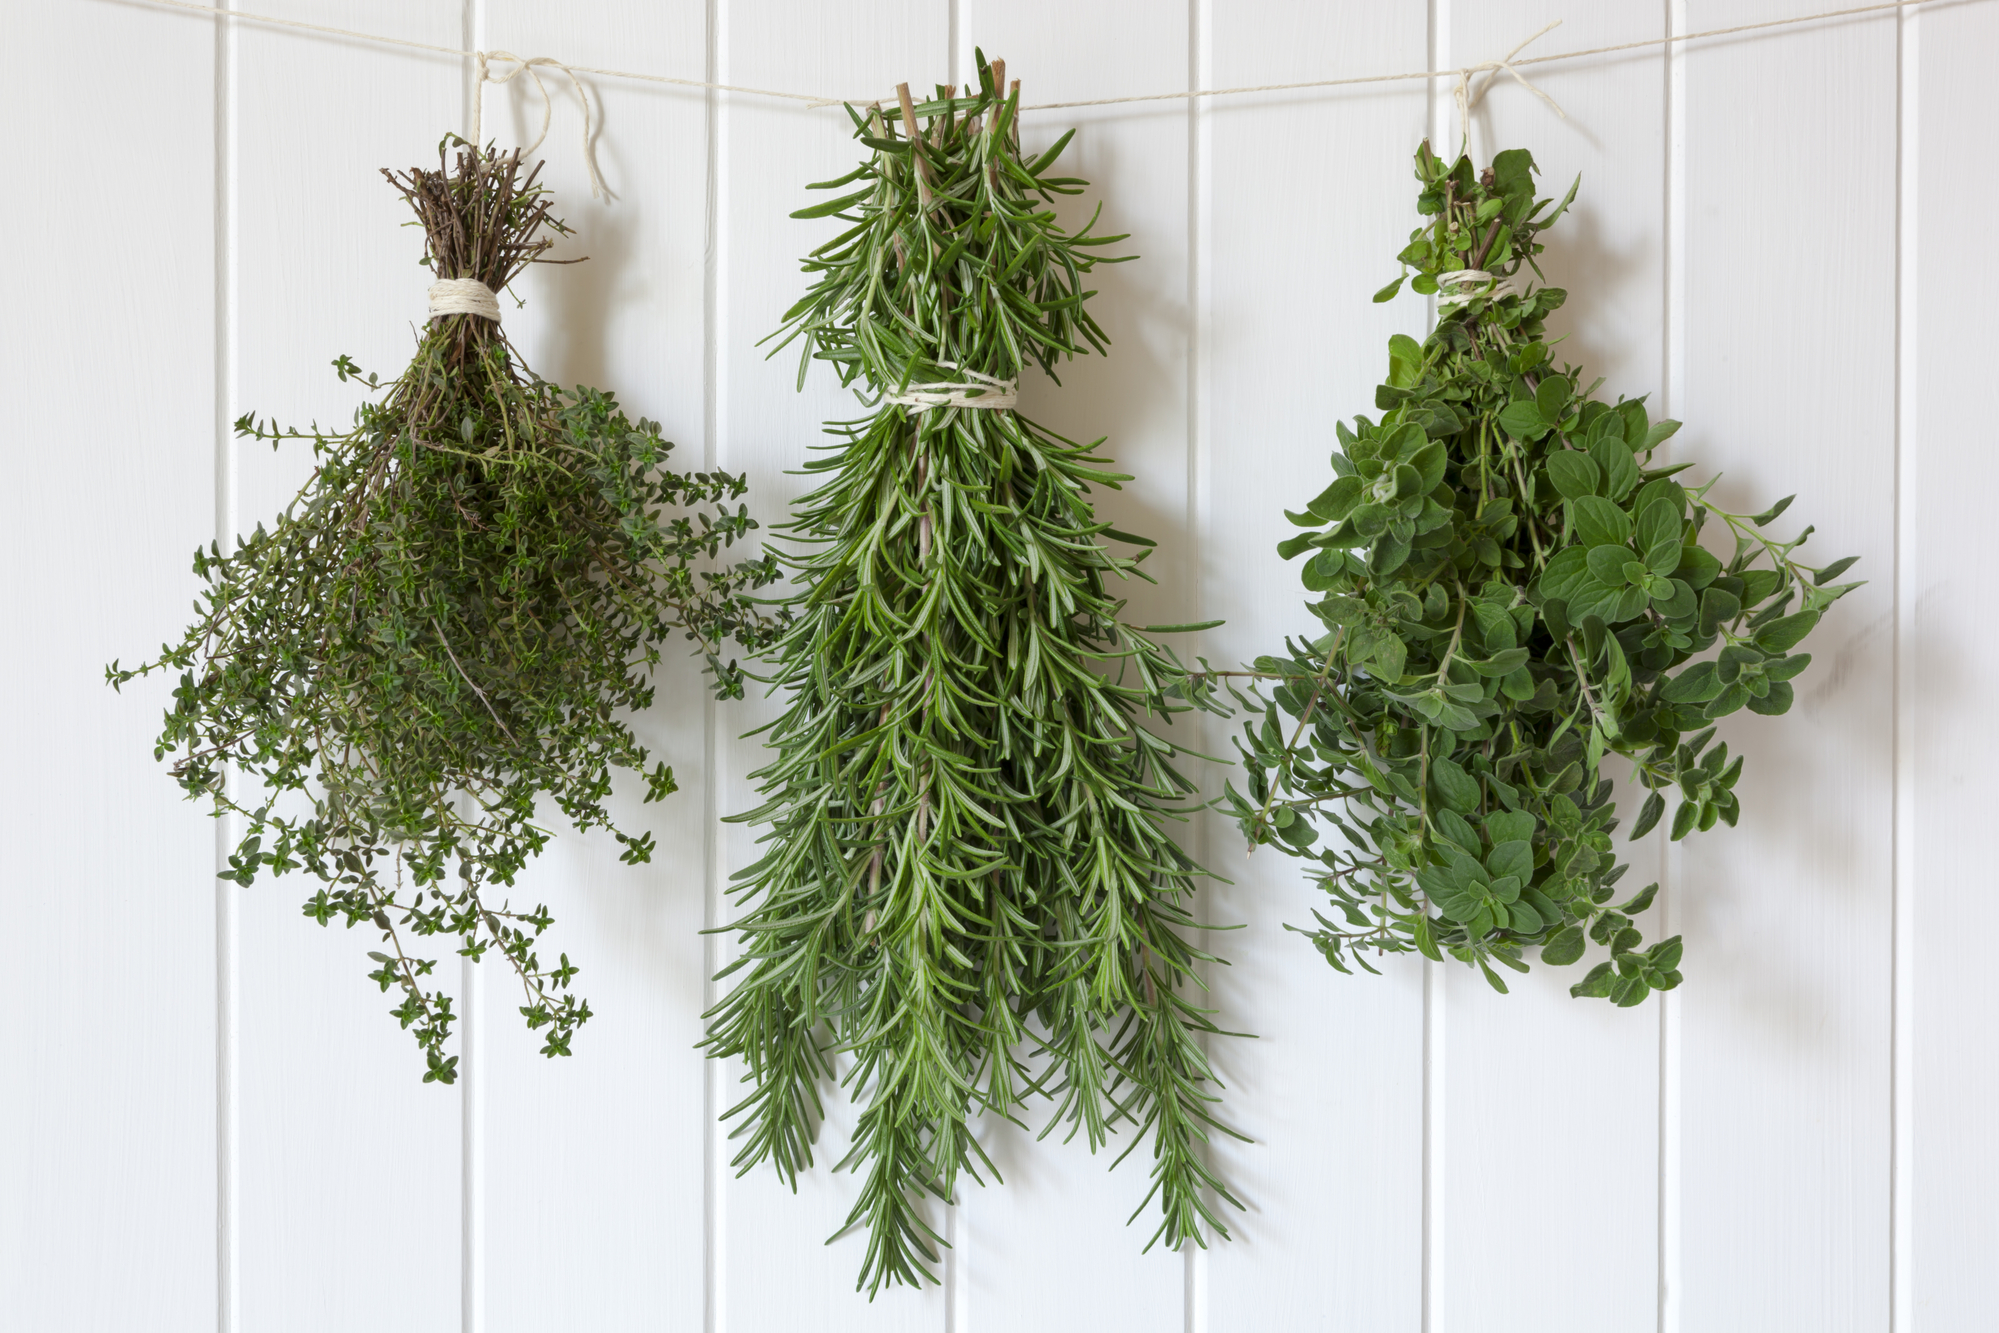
[446,625]
[967,862]
[1511,594]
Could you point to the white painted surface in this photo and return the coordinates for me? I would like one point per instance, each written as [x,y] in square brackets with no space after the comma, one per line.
[208,1122]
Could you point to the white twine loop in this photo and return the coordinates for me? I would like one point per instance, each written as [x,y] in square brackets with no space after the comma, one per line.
[463,296]
[1467,97]
[982,391]
[485,76]
[1465,284]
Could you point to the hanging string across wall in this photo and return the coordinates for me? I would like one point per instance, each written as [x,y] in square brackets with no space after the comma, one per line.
[1509,64]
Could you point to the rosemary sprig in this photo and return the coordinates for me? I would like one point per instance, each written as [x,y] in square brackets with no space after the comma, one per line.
[967,858]
[445,626]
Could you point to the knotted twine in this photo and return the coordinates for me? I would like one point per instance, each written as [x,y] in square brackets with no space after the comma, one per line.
[1468,97]
[1466,284]
[982,391]
[485,75]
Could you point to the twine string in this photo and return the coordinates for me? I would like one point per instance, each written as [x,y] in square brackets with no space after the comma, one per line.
[463,296]
[1467,97]
[819,99]
[483,75]
[976,391]
[1465,284]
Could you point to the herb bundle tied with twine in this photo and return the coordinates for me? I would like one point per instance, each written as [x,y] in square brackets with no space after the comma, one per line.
[968,896]
[448,625]
[1512,589]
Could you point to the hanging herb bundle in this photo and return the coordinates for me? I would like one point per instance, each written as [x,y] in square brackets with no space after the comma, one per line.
[1511,595]
[444,625]
[967,861]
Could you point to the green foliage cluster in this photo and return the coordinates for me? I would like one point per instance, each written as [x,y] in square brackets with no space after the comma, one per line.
[446,625]
[968,896]
[1511,593]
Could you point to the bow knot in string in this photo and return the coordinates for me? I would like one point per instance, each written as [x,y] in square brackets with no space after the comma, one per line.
[484,60]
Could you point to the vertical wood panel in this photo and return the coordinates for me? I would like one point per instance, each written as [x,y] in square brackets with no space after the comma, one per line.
[1060,1202]
[1310,198]
[1536,1068]
[775,1270]
[350,1165]
[1952,650]
[1242,330]
[592,1171]
[107,1121]
[1789,386]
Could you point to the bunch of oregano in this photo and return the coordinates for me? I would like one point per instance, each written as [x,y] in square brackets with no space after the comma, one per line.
[1511,594]
[968,895]
[445,627]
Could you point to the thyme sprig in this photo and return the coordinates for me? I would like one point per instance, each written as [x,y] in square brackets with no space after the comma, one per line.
[446,626]
[1512,593]
[967,863]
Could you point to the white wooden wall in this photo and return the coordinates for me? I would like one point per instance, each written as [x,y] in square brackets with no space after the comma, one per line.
[206,1120]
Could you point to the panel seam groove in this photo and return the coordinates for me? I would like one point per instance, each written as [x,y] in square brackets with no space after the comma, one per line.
[227,1054]
[714,1254]
[1432,1301]
[1194,1313]
[1673,227]
[1901,1126]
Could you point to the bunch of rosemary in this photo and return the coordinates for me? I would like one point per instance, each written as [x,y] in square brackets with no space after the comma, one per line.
[445,625]
[1511,594]
[966,864]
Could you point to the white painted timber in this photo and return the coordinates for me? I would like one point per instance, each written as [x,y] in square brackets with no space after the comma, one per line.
[209,1120]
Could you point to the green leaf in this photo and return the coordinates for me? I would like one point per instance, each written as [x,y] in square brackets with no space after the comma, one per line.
[1776,702]
[832,206]
[1502,663]
[1718,607]
[1552,397]
[1659,522]
[1620,470]
[1599,522]
[1388,293]
[1337,500]
[1429,462]
[1783,634]
[1564,947]
[1596,984]
[1511,858]
[1698,567]
[1523,421]
[1566,573]
[1452,825]
[1456,788]
[1642,901]
[1607,565]
[1462,903]
[1426,939]
[1573,474]
[1769,515]
[1648,815]
[1697,684]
